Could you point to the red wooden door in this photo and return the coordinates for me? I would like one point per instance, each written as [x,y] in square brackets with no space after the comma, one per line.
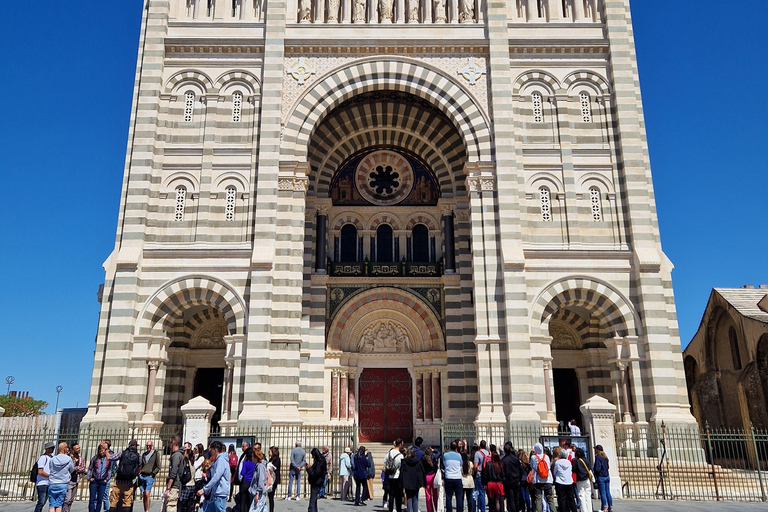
[385,405]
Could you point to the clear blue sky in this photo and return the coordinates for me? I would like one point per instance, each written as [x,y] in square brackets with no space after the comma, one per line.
[68,71]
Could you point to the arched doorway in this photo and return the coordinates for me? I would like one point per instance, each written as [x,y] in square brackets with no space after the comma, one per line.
[385,398]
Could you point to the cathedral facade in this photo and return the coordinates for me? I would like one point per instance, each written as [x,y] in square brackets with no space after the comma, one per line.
[392,213]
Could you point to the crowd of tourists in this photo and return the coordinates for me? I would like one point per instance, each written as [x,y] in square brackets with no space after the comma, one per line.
[481,477]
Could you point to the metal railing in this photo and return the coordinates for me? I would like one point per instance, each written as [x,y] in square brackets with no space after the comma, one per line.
[692,464]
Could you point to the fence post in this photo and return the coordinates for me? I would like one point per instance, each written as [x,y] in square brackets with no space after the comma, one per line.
[712,460]
[599,414]
[757,460]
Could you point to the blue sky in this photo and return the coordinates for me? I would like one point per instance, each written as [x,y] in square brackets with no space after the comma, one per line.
[68,73]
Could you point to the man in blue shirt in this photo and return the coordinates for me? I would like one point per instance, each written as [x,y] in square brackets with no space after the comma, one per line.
[453,486]
[218,487]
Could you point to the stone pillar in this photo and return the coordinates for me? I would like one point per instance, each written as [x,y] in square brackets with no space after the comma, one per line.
[437,397]
[450,241]
[598,414]
[548,390]
[226,398]
[334,395]
[149,404]
[197,415]
[428,397]
[343,395]
[321,255]
[624,391]
[419,395]
[351,397]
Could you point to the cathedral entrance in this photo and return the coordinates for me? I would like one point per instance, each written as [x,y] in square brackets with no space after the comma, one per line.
[209,383]
[567,396]
[385,405]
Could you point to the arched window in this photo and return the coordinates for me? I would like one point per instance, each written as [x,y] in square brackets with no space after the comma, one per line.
[735,355]
[181,202]
[597,207]
[586,107]
[546,205]
[237,107]
[229,210]
[538,108]
[189,106]
[420,240]
[349,243]
[384,245]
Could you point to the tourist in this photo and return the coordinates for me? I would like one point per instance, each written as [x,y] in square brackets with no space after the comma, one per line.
[113,467]
[583,480]
[513,471]
[258,489]
[42,476]
[574,428]
[417,447]
[493,480]
[371,476]
[122,494]
[603,477]
[430,470]
[98,477]
[453,486]
[243,499]
[246,455]
[360,474]
[563,475]
[298,461]
[233,463]
[315,475]
[60,469]
[329,465]
[542,479]
[479,460]
[525,487]
[187,493]
[345,471]
[413,477]
[274,464]
[218,485]
[149,469]
[80,469]
[173,482]
[468,479]
[392,463]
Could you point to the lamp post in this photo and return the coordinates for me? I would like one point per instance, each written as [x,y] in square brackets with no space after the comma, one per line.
[9,380]
[59,389]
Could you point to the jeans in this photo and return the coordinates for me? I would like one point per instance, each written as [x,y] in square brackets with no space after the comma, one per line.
[215,504]
[106,495]
[454,488]
[395,494]
[314,491]
[542,491]
[565,499]
[97,491]
[412,500]
[322,489]
[42,497]
[480,493]
[469,499]
[527,498]
[295,474]
[359,492]
[604,487]
[271,499]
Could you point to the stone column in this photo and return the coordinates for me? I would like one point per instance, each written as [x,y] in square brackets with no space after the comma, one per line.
[351,401]
[531,10]
[334,395]
[197,415]
[343,395]
[149,405]
[420,395]
[437,397]
[548,389]
[449,235]
[321,255]
[226,398]
[598,414]
[624,392]
[428,397]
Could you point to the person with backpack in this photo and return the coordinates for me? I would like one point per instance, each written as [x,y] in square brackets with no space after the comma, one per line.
[260,482]
[188,485]
[360,474]
[603,476]
[274,465]
[121,495]
[61,469]
[541,478]
[481,457]
[175,471]
[39,475]
[513,471]
[315,477]
[392,464]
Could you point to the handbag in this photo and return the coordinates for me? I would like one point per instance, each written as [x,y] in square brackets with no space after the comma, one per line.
[260,505]
[437,482]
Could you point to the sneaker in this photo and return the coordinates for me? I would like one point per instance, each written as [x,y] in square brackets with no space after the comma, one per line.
[297,498]
[287,498]
[383,504]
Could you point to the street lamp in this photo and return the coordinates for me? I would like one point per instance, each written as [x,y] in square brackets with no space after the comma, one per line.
[59,389]
[10,380]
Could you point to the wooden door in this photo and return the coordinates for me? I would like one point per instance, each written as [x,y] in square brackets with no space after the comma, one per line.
[385,405]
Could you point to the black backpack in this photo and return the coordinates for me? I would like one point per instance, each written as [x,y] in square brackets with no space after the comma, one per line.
[186,473]
[129,466]
[488,473]
[33,472]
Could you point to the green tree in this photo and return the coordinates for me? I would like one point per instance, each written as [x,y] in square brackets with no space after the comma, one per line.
[15,406]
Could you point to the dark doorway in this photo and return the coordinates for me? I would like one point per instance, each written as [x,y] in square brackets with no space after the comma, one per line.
[420,243]
[384,247]
[209,384]
[349,243]
[567,396]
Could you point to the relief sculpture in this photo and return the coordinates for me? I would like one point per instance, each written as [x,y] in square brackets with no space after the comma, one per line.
[385,11]
[305,10]
[359,11]
[333,11]
[384,336]
[413,11]
[439,11]
[467,12]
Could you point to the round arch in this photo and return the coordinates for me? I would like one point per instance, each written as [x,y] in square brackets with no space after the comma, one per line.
[602,300]
[170,300]
[378,305]
[394,73]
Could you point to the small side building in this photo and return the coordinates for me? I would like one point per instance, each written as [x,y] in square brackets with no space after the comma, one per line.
[726,363]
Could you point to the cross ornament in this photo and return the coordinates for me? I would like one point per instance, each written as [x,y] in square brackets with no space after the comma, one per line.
[472,70]
[301,70]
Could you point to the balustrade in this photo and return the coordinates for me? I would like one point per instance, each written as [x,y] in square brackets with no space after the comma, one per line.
[390,11]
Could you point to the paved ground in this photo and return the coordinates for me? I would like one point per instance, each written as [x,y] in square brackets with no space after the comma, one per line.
[337,506]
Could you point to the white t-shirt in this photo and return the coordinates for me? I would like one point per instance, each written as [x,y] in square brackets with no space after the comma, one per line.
[397,457]
[43,463]
[575,430]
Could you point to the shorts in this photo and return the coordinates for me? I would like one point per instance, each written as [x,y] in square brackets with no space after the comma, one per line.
[495,489]
[146,483]
[56,495]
